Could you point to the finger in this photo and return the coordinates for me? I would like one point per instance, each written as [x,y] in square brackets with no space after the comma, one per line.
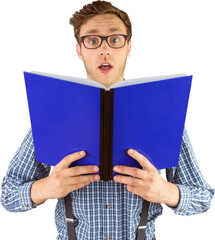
[128,180]
[77,186]
[66,161]
[136,190]
[132,171]
[80,170]
[83,179]
[143,161]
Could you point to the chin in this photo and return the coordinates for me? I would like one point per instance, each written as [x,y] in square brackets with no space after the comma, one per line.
[107,82]
[104,80]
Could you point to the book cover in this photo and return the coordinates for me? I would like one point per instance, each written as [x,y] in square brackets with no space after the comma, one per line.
[71,114]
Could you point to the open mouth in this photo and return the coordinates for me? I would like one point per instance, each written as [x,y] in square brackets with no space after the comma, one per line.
[105,67]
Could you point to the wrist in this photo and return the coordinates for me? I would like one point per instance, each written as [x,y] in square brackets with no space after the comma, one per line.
[172,195]
[37,191]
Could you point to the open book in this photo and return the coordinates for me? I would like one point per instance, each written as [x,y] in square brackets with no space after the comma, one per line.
[72,114]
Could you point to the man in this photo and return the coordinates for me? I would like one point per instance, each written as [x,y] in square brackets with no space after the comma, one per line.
[104,210]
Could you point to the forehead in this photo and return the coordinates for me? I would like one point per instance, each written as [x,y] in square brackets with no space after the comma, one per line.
[103,25]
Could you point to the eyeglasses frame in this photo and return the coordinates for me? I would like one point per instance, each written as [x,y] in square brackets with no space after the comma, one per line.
[81,40]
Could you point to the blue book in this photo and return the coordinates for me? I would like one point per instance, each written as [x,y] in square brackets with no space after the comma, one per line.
[72,114]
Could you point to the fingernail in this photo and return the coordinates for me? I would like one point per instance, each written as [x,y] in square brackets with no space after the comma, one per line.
[95,169]
[130,151]
[115,168]
[82,153]
[96,177]
[115,178]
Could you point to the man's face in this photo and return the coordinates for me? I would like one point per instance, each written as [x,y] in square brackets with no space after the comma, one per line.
[104,25]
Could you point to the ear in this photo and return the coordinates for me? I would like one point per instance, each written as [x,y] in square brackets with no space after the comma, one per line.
[78,50]
[129,48]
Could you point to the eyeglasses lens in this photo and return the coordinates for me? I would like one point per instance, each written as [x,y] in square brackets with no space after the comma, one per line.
[114,41]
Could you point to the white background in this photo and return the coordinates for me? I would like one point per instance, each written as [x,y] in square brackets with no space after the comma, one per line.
[169,37]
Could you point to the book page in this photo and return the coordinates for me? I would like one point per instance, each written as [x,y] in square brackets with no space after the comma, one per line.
[83,81]
[125,83]
[145,80]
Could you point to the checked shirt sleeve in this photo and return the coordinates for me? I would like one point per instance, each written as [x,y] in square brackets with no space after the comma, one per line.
[23,171]
[195,193]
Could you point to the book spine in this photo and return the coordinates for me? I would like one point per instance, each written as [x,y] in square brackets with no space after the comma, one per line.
[106,134]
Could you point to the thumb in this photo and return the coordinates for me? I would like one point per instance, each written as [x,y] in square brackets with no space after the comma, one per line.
[66,161]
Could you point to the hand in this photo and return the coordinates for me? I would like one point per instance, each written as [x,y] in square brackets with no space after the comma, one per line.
[63,179]
[147,182]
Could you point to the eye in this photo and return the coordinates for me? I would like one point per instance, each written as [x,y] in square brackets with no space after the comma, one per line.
[114,40]
[93,40]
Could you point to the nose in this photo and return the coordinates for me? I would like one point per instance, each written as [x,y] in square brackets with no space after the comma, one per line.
[104,49]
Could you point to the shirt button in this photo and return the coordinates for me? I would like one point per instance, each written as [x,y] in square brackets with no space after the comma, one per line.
[107,206]
[181,210]
[108,237]
[26,205]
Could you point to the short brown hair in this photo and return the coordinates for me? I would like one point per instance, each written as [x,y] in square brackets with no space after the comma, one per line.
[96,8]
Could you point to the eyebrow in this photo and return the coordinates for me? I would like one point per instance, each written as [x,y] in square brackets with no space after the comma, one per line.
[91,31]
[95,31]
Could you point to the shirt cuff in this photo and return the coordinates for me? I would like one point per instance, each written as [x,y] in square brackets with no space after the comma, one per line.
[25,196]
[185,199]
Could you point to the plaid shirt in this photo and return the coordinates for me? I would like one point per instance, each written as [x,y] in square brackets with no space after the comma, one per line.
[105,209]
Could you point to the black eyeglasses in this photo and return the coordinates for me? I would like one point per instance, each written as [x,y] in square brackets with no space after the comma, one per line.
[95,41]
